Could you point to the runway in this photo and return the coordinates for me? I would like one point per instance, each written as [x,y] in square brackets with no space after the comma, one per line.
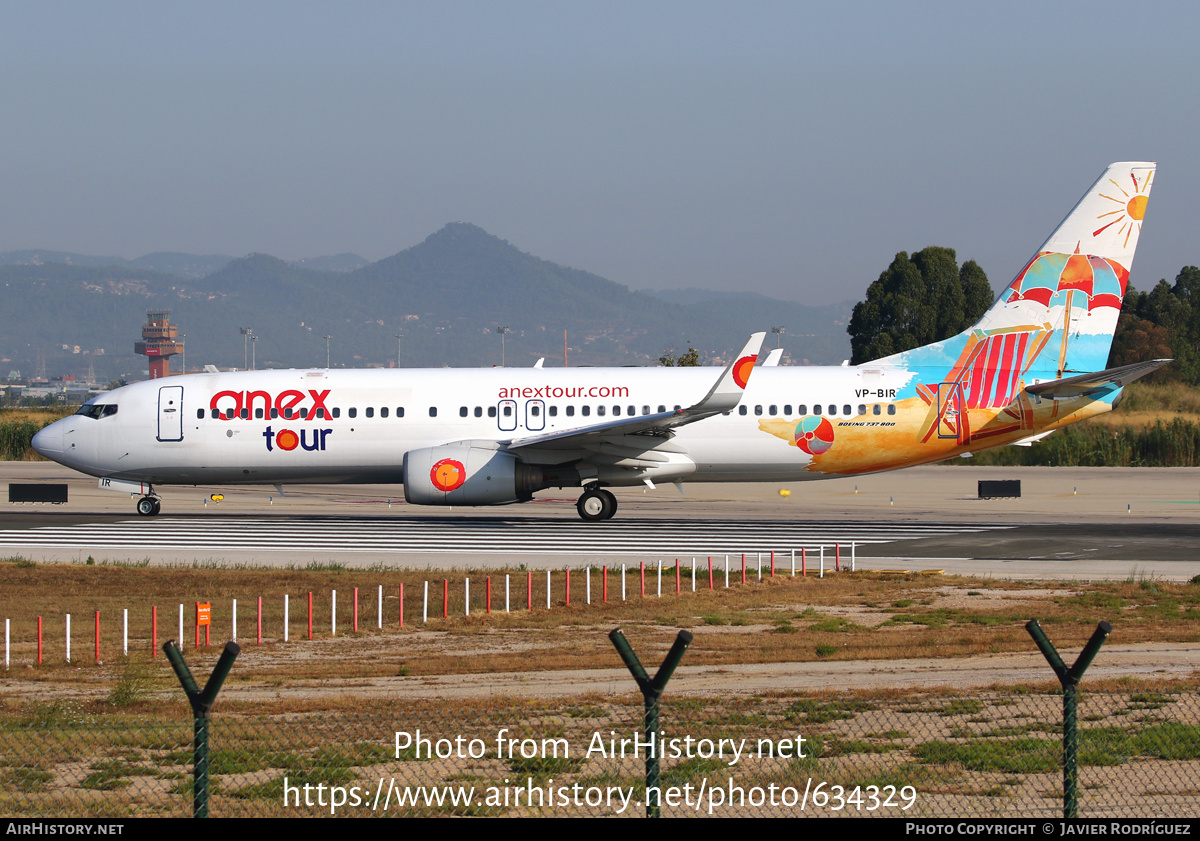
[472,535]
[1068,524]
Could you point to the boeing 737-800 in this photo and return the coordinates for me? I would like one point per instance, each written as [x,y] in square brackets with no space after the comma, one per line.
[1033,363]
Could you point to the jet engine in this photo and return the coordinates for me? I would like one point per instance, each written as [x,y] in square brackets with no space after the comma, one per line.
[468,474]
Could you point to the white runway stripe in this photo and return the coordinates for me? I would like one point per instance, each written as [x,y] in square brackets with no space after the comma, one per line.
[473,535]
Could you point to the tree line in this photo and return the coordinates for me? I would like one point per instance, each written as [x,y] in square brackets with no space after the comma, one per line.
[926,297]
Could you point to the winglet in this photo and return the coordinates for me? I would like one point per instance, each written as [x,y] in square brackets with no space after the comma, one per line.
[727,392]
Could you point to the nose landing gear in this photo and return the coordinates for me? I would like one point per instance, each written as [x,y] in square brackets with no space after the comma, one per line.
[148,506]
[596,504]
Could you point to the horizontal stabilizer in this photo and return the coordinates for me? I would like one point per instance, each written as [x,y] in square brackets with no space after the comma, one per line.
[1099,381]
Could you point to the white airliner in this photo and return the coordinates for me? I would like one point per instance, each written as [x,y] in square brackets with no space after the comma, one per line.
[1033,363]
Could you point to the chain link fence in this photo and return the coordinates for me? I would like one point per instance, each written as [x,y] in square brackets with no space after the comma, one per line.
[926,755]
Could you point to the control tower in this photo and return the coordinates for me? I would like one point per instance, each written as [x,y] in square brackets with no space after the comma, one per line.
[159,342]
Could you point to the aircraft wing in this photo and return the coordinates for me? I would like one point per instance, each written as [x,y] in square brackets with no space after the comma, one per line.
[1098,381]
[724,396]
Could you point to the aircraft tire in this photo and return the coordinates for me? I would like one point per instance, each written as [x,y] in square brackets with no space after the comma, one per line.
[148,506]
[596,505]
[612,503]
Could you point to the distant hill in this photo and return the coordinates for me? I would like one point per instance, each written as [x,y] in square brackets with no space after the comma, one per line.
[333,263]
[184,265]
[169,262]
[447,296]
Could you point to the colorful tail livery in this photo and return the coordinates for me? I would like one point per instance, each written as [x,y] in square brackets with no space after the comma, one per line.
[995,382]
[1035,361]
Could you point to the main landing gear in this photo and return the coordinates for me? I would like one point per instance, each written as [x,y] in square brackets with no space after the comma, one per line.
[596,504]
[149,506]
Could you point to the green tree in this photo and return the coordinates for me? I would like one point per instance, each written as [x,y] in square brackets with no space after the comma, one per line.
[1164,322]
[691,359]
[918,300]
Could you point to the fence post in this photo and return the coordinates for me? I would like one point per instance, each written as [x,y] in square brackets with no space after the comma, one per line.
[1069,678]
[652,690]
[201,701]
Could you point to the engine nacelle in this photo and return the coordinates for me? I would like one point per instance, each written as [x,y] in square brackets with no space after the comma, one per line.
[462,474]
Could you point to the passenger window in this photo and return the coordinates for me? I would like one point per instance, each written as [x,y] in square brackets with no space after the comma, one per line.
[632,410]
[742,410]
[847,410]
[383,411]
[802,409]
[587,410]
[433,411]
[535,410]
[462,411]
[350,413]
[816,409]
[199,414]
[258,413]
[337,412]
[478,411]
[370,411]
[600,411]
[758,410]
[570,411]
[287,414]
[616,411]
[553,411]
[399,411]
[274,413]
[321,413]
[304,413]
[891,409]
[862,410]
[787,408]
[245,413]
[875,409]
[507,411]
[662,409]
[491,411]
[216,413]
[832,409]
[773,411]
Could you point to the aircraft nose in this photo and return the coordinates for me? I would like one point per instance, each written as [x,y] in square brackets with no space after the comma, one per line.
[49,441]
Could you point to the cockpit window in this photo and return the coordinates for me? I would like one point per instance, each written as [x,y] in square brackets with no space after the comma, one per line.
[97,410]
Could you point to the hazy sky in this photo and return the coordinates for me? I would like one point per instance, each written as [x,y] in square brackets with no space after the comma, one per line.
[789,148]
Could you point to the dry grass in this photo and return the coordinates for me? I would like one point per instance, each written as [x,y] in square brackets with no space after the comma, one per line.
[1144,404]
[860,616]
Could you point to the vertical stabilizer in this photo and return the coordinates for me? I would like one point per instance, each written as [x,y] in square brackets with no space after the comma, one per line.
[1058,316]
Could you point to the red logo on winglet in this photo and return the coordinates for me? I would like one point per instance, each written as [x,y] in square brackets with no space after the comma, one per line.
[742,369]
